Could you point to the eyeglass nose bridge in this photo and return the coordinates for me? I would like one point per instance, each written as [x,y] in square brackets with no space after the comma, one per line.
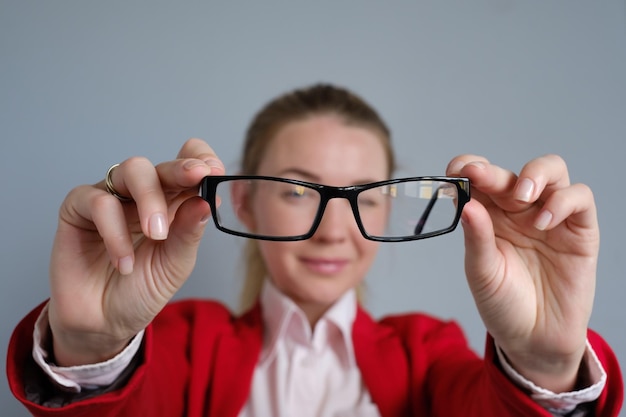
[328,193]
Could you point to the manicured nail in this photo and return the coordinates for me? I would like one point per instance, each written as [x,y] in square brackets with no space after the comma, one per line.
[477,164]
[158,227]
[191,164]
[543,220]
[524,190]
[213,163]
[456,167]
[205,219]
[125,265]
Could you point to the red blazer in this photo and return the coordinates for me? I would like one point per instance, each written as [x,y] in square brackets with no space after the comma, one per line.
[197,361]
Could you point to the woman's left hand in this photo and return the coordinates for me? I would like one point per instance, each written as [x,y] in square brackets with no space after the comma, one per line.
[532,245]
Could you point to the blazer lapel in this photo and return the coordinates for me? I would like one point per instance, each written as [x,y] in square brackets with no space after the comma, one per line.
[236,358]
[379,353]
[383,363]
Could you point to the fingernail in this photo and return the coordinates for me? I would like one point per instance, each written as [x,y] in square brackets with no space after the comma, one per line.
[543,220]
[477,164]
[125,265]
[192,163]
[456,167]
[158,227]
[213,163]
[464,219]
[524,190]
[205,218]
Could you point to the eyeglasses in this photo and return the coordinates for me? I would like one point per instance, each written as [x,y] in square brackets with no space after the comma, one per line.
[281,209]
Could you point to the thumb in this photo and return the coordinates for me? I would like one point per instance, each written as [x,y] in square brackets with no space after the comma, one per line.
[482,257]
[185,235]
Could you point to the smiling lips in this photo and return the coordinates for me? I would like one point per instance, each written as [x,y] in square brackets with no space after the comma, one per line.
[324,266]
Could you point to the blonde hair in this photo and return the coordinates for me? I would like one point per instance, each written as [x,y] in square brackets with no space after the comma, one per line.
[297,105]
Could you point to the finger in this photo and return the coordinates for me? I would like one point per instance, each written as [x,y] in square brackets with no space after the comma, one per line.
[88,207]
[147,185]
[574,204]
[537,179]
[541,175]
[182,175]
[186,232]
[490,183]
[198,149]
[481,251]
[137,178]
[456,164]
[174,175]
[485,176]
[196,159]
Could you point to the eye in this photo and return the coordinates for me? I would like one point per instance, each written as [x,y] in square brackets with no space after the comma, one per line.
[298,191]
[368,202]
[294,191]
[297,194]
[376,196]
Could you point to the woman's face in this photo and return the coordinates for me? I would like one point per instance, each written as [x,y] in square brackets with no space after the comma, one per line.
[322,149]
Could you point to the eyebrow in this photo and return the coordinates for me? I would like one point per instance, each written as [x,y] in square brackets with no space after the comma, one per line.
[310,177]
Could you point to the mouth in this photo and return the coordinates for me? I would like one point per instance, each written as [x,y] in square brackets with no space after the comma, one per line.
[324,266]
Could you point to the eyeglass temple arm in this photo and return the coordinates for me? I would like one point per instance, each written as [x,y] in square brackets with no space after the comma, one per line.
[422,221]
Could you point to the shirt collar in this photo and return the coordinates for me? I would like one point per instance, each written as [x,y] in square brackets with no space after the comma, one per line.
[281,315]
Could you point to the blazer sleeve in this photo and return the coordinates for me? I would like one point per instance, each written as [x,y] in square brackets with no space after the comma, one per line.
[157,383]
[447,378]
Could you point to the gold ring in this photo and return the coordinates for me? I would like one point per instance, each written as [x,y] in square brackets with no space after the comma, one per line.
[111,189]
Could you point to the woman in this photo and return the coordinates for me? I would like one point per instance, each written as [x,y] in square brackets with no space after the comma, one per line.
[113,346]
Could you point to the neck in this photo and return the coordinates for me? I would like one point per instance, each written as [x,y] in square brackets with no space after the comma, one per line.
[313,311]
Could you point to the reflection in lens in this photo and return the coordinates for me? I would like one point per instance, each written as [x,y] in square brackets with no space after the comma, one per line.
[414,208]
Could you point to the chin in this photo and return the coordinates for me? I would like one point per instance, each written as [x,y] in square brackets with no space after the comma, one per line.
[324,296]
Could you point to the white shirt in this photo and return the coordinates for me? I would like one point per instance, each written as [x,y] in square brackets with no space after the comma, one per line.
[305,372]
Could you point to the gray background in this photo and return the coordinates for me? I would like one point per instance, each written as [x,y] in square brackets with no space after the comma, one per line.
[84,84]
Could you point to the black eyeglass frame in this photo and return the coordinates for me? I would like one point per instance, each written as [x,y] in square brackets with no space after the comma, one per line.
[208,191]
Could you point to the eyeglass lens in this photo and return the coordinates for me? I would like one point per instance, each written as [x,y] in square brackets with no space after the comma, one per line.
[270,208]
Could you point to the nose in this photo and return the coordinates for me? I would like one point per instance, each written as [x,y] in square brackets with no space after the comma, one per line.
[337,222]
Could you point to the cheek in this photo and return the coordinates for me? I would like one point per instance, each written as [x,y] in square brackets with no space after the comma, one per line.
[266,218]
[240,196]
[276,256]
[368,250]
[375,219]
[273,217]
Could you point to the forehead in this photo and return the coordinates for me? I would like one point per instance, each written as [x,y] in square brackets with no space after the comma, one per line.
[328,150]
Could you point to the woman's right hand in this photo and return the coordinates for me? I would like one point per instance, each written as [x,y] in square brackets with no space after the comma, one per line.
[116,264]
